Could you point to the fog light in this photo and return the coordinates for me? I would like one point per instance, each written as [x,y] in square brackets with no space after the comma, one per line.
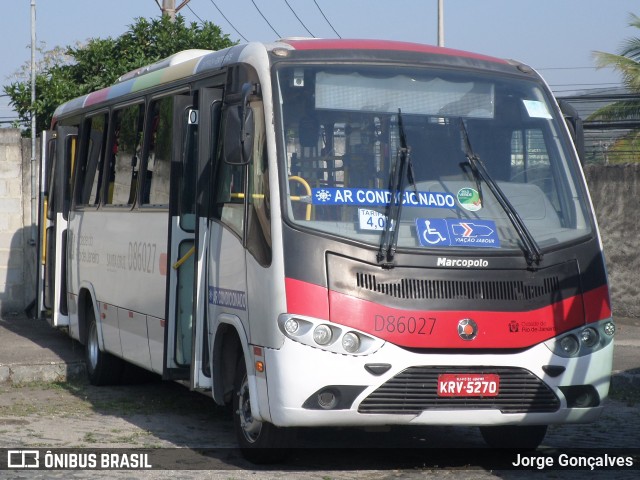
[291,326]
[581,396]
[569,345]
[327,400]
[609,328]
[589,337]
[322,335]
[351,342]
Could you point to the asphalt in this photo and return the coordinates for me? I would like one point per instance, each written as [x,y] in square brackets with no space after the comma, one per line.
[33,351]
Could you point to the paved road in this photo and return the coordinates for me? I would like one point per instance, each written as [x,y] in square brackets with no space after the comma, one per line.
[157,414]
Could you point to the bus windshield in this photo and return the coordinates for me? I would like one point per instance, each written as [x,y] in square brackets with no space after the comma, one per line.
[478,153]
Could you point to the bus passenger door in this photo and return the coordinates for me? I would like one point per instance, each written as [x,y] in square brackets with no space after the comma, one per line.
[58,154]
[186,347]
[210,107]
[44,279]
[182,247]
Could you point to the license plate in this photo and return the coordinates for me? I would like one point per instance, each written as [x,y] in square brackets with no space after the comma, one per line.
[468,385]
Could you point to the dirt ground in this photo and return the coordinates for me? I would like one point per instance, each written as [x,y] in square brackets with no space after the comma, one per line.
[166,415]
[149,415]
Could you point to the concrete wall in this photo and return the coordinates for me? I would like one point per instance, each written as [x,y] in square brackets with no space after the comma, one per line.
[615,191]
[17,250]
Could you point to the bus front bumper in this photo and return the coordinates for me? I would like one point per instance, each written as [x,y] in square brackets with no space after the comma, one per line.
[301,380]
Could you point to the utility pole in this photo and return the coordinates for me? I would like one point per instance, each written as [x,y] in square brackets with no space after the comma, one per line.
[441,23]
[33,123]
[169,8]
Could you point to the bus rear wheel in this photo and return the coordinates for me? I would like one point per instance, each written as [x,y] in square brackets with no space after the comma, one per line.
[260,442]
[521,437]
[102,367]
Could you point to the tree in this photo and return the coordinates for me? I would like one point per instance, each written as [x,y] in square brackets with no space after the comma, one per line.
[627,62]
[75,71]
[624,147]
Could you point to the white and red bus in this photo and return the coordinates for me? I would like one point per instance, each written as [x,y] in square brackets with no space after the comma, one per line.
[333,233]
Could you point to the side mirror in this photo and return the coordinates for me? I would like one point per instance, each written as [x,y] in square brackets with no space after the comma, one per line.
[239,131]
[574,122]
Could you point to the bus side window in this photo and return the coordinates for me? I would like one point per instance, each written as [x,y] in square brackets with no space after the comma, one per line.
[259,218]
[124,157]
[90,167]
[155,187]
[230,189]
[531,163]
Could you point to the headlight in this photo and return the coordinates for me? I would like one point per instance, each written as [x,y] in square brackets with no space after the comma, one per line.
[589,337]
[583,340]
[327,336]
[292,325]
[322,335]
[609,329]
[569,345]
[351,342]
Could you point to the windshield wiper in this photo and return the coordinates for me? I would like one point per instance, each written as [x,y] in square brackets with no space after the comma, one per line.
[531,248]
[401,166]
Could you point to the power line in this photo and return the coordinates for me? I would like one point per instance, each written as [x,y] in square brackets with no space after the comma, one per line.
[566,68]
[571,88]
[224,16]
[325,17]
[194,13]
[265,19]
[582,84]
[301,22]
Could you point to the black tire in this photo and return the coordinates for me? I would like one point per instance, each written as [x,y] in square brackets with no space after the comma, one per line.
[102,367]
[521,437]
[259,442]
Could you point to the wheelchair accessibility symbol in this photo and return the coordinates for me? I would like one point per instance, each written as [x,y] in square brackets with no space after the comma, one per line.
[433,232]
[441,232]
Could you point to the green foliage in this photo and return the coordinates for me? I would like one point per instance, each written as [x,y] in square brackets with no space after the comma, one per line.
[100,62]
[627,63]
[625,148]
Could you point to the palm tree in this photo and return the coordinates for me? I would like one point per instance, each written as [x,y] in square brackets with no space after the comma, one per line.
[627,62]
[625,146]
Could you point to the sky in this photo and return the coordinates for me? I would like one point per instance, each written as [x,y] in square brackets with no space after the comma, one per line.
[556,37]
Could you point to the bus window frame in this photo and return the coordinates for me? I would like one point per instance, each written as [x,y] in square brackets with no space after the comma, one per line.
[186,90]
[84,140]
[143,103]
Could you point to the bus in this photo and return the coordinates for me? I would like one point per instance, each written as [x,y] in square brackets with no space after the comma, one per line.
[321,232]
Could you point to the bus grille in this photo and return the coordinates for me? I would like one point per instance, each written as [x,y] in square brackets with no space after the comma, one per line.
[415,288]
[415,389]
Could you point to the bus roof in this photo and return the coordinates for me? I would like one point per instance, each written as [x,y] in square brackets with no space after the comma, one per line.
[190,62]
[381,45]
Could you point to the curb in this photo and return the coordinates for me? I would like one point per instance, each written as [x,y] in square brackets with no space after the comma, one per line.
[20,374]
[624,380]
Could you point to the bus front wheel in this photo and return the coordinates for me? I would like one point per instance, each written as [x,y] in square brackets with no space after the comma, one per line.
[525,437]
[260,442]
[102,367]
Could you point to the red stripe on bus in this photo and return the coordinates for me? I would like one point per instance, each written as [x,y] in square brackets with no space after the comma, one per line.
[306,298]
[162,266]
[439,329]
[597,304]
[96,97]
[363,44]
